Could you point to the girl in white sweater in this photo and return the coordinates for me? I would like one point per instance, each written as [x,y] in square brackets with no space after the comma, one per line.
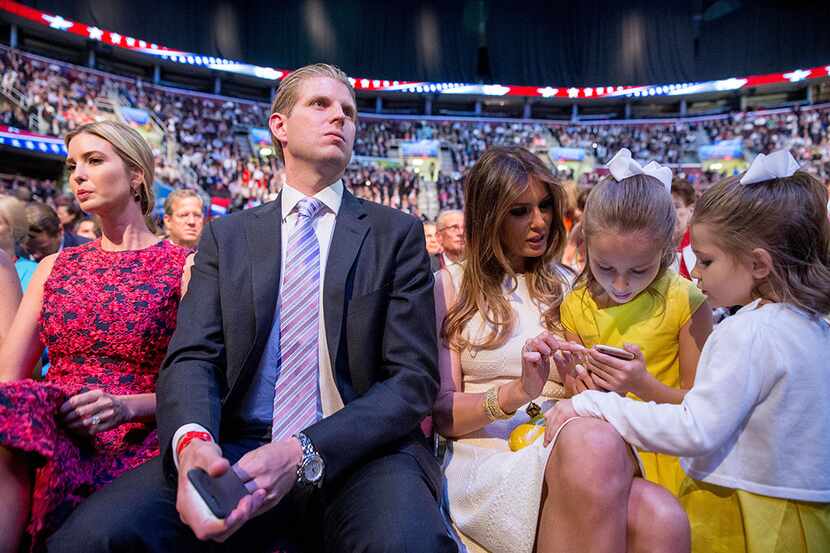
[754,431]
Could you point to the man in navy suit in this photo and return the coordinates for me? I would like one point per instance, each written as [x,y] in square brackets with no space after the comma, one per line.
[304,359]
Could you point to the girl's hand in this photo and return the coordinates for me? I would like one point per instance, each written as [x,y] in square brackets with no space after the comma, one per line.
[570,363]
[556,416]
[618,375]
[94,411]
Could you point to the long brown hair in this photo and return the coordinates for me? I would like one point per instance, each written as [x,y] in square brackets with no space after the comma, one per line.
[497,179]
[639,203]
[787,217]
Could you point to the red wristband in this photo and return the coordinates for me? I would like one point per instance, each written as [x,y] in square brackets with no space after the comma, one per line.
[189,437]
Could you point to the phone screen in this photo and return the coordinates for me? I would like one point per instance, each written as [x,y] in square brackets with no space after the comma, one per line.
[221,494]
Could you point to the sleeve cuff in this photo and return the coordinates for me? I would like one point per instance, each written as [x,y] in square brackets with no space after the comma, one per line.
[584,406]
[184,429]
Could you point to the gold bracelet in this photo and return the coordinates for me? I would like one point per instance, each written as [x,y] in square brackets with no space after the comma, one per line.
[492,407]
[554,390]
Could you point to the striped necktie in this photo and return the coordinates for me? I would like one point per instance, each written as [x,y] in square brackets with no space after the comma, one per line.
[296,394]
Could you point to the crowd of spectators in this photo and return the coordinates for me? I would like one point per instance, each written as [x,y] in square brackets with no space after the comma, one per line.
[205,142]
[392,186]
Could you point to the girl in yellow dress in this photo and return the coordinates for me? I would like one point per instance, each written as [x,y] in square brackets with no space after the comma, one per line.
[753,432]
[628,298]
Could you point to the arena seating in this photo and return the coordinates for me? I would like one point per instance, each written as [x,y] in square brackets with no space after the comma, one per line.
[204,139]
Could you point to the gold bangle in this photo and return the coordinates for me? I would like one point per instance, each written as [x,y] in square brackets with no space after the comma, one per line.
[554,390]
[492,407]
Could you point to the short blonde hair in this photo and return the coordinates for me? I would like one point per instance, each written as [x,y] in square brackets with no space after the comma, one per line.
[13,212]
[180,194]
[133,151]
[289,91]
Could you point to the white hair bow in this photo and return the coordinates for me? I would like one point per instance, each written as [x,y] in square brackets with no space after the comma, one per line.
[777,165]
[622,166]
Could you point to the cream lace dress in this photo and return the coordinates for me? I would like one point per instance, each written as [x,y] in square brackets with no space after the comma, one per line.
[494,494]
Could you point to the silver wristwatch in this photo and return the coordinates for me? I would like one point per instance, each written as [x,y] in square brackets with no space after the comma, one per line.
[310,471]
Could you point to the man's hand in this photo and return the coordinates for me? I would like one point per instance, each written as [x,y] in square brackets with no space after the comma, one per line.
[192,508]
[272,470]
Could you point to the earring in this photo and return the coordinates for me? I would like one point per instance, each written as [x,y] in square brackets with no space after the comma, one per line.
[136,195]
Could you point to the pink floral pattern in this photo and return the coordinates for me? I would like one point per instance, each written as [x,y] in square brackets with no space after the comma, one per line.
[107,319]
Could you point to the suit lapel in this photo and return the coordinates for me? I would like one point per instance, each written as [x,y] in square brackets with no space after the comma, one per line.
[350,229]
[264,233]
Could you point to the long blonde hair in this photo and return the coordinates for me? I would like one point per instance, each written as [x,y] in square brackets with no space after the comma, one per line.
[500,176]
[787,217]
[133,151]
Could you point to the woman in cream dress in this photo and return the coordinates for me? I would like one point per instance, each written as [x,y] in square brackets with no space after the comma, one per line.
[579,493]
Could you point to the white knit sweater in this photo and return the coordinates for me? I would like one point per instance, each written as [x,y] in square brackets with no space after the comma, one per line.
[758,416]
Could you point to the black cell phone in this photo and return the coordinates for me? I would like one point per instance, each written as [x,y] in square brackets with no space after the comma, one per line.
[221,494]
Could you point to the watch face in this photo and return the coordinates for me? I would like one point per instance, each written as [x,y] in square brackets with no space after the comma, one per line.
[313,468]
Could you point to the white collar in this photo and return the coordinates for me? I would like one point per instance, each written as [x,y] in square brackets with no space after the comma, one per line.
[331,197]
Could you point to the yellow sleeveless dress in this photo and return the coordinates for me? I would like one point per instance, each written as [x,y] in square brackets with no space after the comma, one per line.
[652,321]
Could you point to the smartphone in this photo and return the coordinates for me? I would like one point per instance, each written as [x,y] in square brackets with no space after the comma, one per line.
[221,494]
[614,352]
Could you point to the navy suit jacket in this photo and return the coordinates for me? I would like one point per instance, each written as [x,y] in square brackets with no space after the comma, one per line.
[379,323]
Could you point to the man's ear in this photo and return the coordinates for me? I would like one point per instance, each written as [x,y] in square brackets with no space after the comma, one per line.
[761,263]
[276,123]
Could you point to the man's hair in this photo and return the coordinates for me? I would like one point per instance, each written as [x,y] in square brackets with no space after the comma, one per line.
[42,218]
[180,194]
[442,216]
[685,190]
[289,91]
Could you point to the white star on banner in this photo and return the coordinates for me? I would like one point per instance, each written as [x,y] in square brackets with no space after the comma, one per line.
[95,33]
[547,92]
[797,75]
[573,93]
[57,22]
[130,42]
[116,38]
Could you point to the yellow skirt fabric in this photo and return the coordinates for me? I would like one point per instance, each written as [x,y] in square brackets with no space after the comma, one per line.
[725,520]
[664,470]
